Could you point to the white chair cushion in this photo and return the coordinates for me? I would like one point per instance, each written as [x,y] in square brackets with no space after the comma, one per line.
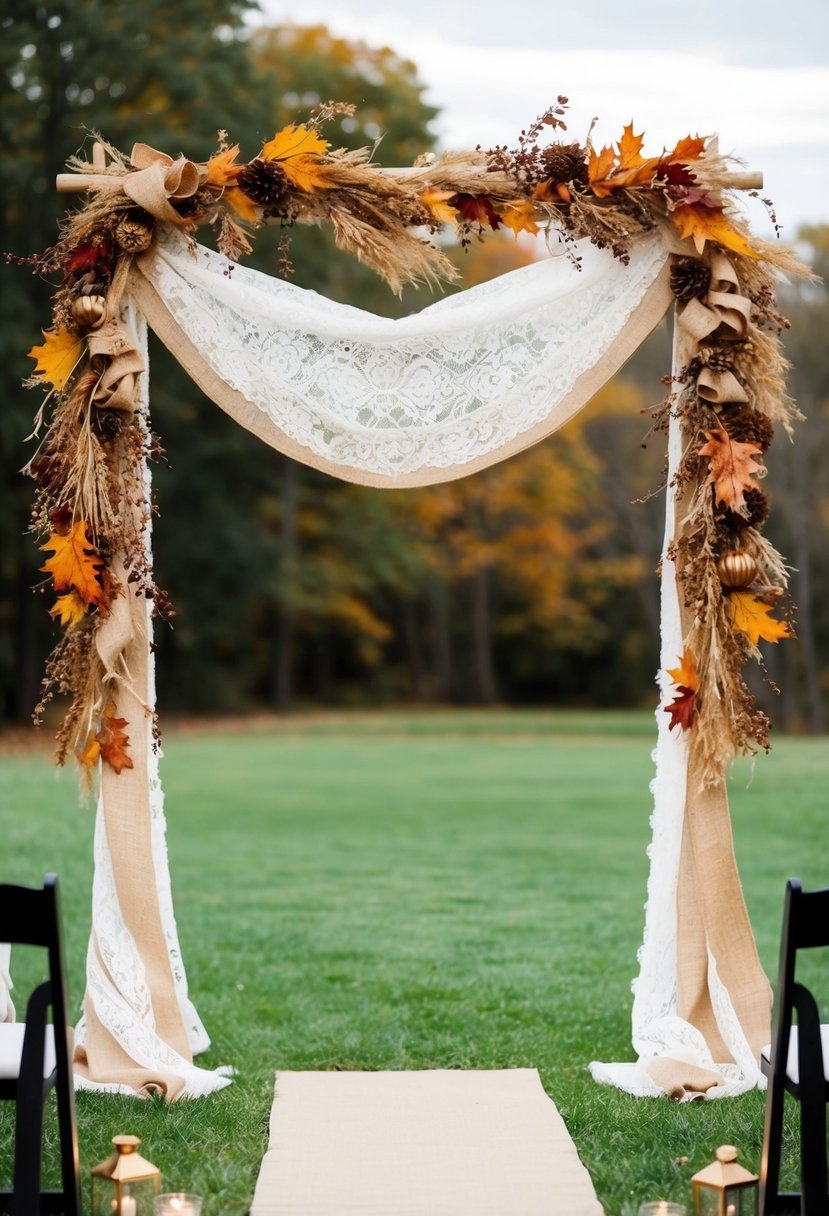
[11,1049]
[792,1068]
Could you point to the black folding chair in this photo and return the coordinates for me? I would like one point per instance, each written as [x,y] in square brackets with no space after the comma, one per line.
[798,1061]
[35,1058]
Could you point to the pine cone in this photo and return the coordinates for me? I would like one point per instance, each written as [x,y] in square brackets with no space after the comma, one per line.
[264,181]
[748,426]
[690,278]
[757,502]
[133,233]
[564,163]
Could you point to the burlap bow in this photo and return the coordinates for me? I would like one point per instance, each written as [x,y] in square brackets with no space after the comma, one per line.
[158,178]
[722,313]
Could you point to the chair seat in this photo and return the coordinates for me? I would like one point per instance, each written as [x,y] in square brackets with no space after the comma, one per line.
[792,1066]
[11,1050]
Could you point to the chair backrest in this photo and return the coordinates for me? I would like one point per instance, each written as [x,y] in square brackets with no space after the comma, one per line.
[805,927]
[30,916]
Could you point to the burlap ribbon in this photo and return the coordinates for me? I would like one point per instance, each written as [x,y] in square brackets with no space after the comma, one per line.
[711,915]
[157,178]
[723,313]
[112,351]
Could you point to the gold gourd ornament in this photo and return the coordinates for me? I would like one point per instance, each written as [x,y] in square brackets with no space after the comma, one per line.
[737,568]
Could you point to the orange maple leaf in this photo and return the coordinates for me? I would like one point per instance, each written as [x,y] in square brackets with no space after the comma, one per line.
[74,564]
[599,167]
[57,358]
[437,202]
[70,607]
[710,224]
[222,169]
[244,207]
[750,615]
[689,148]
[686,673]
[731,468]
[520,217]
[114,740]
[630,148]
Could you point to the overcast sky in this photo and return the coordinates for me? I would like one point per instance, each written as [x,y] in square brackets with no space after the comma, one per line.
[753,71]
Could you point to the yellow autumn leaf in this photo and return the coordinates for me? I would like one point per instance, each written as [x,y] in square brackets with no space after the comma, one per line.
[306,173]
[599,167]
[437,202]
[710,224]
[90,752]
[244,207]
[750,615]
[520,217]
[686,674]
[222,169]
[57,358]
[294,141]
[70,607]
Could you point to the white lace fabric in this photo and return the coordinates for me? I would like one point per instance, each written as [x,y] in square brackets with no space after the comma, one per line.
[438,390]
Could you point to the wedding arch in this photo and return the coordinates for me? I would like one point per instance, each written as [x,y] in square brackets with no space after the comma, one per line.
[437,395]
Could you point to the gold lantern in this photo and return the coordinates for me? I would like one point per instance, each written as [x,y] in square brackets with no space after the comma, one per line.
[724,1188]
[126,1184]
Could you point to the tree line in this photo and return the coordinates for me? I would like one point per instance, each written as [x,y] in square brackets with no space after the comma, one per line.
[531,582]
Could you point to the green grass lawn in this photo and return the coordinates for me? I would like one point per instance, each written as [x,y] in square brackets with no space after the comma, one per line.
[452,890]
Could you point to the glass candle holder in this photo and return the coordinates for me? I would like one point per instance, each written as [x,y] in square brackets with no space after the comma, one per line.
[177,1203]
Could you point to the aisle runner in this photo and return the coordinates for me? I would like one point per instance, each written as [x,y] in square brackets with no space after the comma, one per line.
[442,1143]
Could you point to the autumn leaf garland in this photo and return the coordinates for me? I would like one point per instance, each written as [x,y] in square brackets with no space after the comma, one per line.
[89,465]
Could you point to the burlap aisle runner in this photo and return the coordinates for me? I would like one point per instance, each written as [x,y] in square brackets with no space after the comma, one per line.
[432,1143]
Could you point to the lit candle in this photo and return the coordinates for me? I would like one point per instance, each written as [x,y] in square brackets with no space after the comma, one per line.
[127,1206]
[179,1204]
[732,1211]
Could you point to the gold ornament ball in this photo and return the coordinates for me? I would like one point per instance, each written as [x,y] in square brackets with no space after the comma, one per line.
[89,310]
[737,568]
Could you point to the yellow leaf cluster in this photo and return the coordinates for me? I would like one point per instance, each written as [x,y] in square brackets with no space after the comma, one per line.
[298,150]
[752,616]
[70,608]
[244,207]
[57,358]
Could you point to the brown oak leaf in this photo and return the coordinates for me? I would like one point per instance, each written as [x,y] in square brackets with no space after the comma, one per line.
[683,708]
[74,564]
[731,468]
[114,740]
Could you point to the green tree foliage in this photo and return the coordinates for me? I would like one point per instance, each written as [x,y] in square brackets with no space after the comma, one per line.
[160,73]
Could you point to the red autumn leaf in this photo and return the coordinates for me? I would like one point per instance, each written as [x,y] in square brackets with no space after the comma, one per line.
[674,173]
[683,708]
[478,209]
[114,740]
[87,256]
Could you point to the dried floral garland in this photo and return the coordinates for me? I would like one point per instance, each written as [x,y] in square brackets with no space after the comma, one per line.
[90,507]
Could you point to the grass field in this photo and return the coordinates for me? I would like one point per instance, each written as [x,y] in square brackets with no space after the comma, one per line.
[459,890]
